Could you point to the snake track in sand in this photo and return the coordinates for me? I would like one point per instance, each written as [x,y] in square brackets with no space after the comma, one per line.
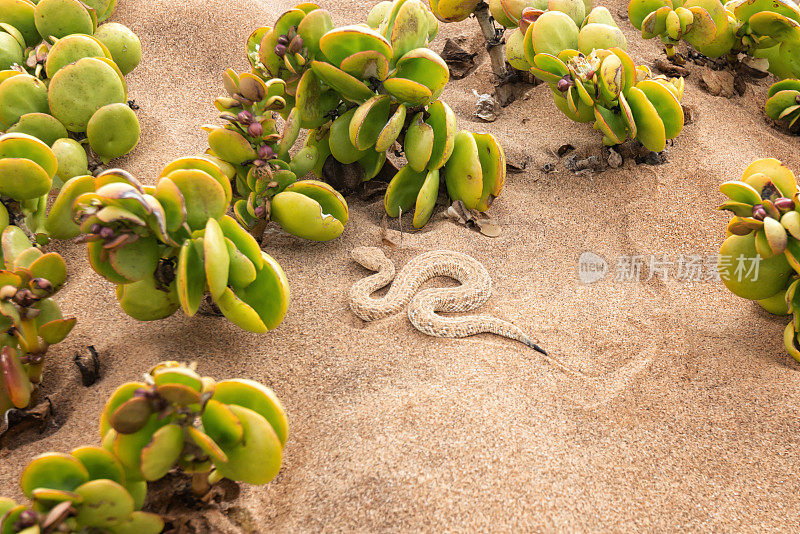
[474,291]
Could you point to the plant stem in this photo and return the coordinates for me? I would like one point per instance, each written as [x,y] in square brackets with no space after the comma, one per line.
[200,485]
[497,53]
[28,338]
[258,230]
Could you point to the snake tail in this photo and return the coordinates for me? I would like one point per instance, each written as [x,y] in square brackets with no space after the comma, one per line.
[534,346]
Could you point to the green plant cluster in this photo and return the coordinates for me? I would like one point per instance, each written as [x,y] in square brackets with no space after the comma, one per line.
[561,26]
[30,320]
[621,99]
[359,91]
[318,97]
[170,245]
[760,259]
[263,175]
[165,246]
[62,79]
[175,418]
[27,170]
[783,103]
[767,29]
[581,53]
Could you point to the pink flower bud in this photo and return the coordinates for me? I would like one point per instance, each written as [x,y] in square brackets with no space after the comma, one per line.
[266,152]
[564,84]
[255,129]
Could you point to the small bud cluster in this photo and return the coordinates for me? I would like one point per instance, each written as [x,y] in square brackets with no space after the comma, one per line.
[27,519]
[584,67]
[37,56]
[245,121]
[774,209]
[152,400]
[39,289]
[289,43]
[254,128]
[158,404]
[113,238]
[25,297]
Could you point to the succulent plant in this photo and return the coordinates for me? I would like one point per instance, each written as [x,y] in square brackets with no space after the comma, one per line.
[84,491]
[623,100]
[20,95]
[360,91]
[760,259]
[770,30]
[174,418]
[555,26]
[783,103]
[20,15]
[27,168]
[356,62]
[256,158]
[342,59]
[80,89]
[167,246]
[233,429]
[63,75]
[760,28]
[122,43]
[12,46]
[558,26]
[703,23]
[72,160]
[506,12]
[30,320]
[759,201]
[473,167]
[445,10]
[52,20]
[55,19]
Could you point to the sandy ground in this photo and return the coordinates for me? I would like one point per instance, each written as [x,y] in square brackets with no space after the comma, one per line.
[687,420]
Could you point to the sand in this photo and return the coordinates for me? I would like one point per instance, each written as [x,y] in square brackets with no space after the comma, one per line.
[689,420]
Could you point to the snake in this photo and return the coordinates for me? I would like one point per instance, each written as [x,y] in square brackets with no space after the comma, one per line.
[474,291]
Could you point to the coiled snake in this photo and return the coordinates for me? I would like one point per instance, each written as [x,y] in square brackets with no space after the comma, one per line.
[474,291]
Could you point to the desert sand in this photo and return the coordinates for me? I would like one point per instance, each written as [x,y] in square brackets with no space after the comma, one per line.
[687,418]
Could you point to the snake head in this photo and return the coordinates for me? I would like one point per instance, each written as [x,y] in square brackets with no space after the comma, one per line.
[368,257]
